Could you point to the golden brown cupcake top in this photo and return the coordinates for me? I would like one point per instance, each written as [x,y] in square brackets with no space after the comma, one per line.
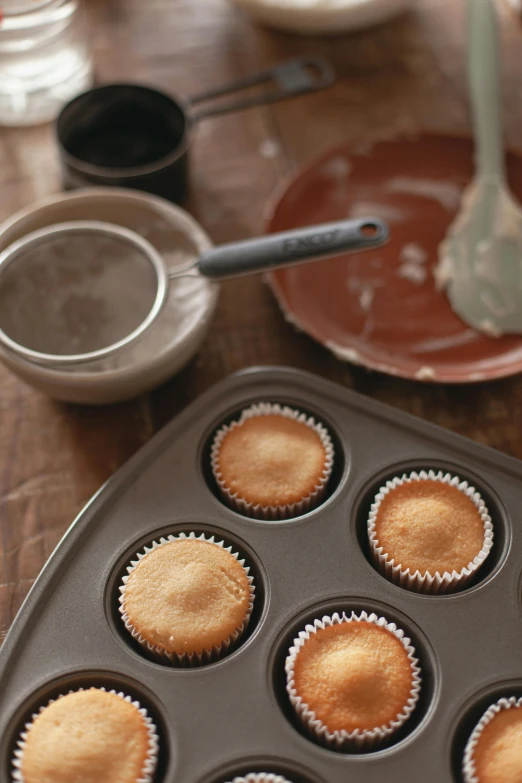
[187,596]
[354,675]
[271,460]
[429,526]
[87,737]
[498,754]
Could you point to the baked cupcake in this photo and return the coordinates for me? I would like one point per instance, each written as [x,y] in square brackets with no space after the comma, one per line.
[273,462]
[92,736]
[429,532]
[494,750]
[352,680]
[187,599]
[261,777]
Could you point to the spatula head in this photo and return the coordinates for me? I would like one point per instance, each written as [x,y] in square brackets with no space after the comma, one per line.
[481,260]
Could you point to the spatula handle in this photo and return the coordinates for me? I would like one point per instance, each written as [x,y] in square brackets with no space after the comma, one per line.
[485,87]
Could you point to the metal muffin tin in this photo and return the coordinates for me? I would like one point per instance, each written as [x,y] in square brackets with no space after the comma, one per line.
[233,716]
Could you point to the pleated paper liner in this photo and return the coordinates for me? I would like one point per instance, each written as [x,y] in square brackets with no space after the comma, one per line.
[203,656]
[260,777]
[359,739]
[468,764]
[276,512]
[432,583]
[151,761]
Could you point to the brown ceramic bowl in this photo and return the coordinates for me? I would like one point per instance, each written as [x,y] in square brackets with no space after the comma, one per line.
[382,309]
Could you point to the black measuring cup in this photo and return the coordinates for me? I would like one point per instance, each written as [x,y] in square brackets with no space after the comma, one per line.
[129,135]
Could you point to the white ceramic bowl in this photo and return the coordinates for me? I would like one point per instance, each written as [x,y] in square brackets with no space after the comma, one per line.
[170,230]
[323,17]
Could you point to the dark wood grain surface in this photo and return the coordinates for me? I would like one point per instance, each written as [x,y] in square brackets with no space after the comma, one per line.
[407,75]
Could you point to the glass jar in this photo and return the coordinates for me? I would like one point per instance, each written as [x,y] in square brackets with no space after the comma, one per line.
[44,58]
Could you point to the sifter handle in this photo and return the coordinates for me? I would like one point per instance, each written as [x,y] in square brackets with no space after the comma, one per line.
[292,247]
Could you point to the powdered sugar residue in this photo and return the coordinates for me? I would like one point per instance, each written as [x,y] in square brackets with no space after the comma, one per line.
[447,193]
[343,353]
[413,258]
[364,290]
[426,374]
[442,344]
[269,149]
[386,212]
[338,168]
[366,298]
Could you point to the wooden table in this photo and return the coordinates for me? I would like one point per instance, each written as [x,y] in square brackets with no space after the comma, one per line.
[406,75]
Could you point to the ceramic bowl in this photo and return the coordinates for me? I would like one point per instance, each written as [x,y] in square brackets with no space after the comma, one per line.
[178,237]
[323,17]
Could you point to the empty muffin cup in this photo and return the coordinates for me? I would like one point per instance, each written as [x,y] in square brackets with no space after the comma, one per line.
[88,730]
[187,599]
[273,463]
[353,680]
[429,531]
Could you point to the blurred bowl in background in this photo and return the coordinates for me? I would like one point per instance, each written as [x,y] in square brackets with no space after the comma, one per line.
[323,17]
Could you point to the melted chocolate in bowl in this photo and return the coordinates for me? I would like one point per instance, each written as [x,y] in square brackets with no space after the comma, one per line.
[381,308]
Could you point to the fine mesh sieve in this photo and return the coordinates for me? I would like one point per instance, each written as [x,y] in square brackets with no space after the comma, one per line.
[78,292]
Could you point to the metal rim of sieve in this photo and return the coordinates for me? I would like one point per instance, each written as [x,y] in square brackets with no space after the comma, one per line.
[149,253]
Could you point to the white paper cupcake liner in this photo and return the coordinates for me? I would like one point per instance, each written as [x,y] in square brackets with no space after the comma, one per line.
[468,763]
[260,777]
[274,513]
[433,583]
[151,761]
[186,659]
[359,739]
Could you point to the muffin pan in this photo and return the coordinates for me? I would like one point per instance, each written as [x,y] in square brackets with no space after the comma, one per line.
[233,716]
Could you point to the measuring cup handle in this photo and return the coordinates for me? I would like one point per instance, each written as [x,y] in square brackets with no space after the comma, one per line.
[292,247]
[294,77]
